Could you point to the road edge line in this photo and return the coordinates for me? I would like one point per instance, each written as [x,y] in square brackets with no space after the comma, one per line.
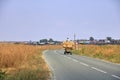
[52,76]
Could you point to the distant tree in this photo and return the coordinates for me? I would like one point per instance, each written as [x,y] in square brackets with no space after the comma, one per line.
[37,42]
[50,40]
[43,40]
[109,38]
[30,42]
[91,39]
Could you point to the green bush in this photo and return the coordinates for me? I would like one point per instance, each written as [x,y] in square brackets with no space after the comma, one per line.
[2,75]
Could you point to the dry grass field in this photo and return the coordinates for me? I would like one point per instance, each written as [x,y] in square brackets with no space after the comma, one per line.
[23,62]
[106,52]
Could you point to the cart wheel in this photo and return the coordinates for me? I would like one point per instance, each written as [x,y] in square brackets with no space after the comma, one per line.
[70,53]
[64,52]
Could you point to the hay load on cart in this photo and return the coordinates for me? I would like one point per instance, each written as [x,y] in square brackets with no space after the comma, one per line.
[68,46]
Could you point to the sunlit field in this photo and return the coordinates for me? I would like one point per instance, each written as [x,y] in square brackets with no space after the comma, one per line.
[23,62]
[26,62]
[106,52]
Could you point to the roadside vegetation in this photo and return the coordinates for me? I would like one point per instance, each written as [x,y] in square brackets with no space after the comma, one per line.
[23,62]
[26,62]
[106,52]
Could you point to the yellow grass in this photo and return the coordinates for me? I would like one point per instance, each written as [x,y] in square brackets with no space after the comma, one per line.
[106,52]
[12,55]
[17,58]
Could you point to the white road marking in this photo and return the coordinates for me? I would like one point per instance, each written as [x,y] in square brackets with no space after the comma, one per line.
[55,51]
[68,57]
[116,76]
[84,64]
[98,70]
[64,55]
[75,60]
[53,70]
[52,75]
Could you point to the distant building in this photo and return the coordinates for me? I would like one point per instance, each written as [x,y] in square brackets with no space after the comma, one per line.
[83,41]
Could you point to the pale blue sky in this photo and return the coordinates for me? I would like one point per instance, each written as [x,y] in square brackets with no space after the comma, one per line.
[58,19]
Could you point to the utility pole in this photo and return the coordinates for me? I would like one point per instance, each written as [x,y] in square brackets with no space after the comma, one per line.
[75,40]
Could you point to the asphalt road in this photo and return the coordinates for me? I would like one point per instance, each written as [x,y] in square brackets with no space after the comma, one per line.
[74,67]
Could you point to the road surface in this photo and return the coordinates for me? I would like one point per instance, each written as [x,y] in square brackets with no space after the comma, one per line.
[74,67]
